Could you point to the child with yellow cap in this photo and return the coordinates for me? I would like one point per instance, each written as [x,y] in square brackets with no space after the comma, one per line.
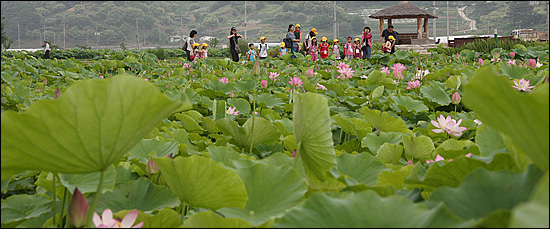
[204,51]
[387,47]
[324,48]
[282,50]
[336,49]
[313,49]
[263,48]
[357,49]
[195,52]
[307,41]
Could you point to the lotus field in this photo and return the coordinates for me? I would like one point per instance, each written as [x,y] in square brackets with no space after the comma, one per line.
[401,140]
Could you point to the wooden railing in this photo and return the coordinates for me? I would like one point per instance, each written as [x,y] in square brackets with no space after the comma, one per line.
[457,42]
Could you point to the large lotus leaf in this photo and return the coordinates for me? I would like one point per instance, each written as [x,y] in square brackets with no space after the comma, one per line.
[17,208]
[452,148]
[401,54]
[362,167]
[165,218]
[483,192]
[209,219]
[418,148]
[436,94]
[312,133]
[224,155]
[264,131]
[353,126]
[202,182]
[269,100]
[279,159]
[88,182]
[452,173]
[384,121]
[535,212]
[513,71]
[523,117]
[241,104]
[138,194]
[375,77]
[394,178]
[188,123]
[142,150]
[407,104]
[283,186]
[390,153]
[453,82]
[377,92]
[488,140]
[85,130]
[373,141]
[367,209]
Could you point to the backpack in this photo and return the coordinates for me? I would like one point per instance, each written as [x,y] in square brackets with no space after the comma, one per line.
[184,48]
[288,42]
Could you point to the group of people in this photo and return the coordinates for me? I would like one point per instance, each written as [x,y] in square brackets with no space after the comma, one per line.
[195,50]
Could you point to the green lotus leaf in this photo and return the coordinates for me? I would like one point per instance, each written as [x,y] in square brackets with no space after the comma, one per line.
[489,196]
[88,182]
[224,155]
[142,150]
[201,182]
[452,148]
[209,219]
[264,131]
[241,104]
[373,141]
[488,140]
[284,186]
[523,117]
[353,126]
[367,209]
[435,94]
[165,218]
[377,92]
[419,148]
[384,121]
[535,212]
[269,100]
[407,104]
[312,134]
[18,208]
[394,178]
[85,130]
[390,153]
[362,167]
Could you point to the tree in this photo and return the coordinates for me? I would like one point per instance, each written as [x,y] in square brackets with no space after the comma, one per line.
[6,42]
[520,12]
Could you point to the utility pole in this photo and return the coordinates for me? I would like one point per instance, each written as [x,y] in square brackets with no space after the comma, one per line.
[447,22]
[87,32]
[44,32]
[334,21]
[435,37]
[159,33]
[18,36]
[96,36]
[54,38]
[245,20]
[64,22]
[181,26]
[137,32]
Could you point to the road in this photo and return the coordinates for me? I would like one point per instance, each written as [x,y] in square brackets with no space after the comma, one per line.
[472,22]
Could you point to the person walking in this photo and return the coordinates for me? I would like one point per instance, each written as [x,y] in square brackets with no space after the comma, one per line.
[387,33]
[324,48]
[263,48]
[336,49]
[189,44]
[313,49]
[366,43]
[46,50]
[234,44]
[293,41]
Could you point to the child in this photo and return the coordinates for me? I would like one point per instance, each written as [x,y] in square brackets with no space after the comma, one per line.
[386,48]
[251,54]
[204,51]
[324,48]
[357,49]
[313,49]
[348,49]
[263,48]
[336,49]
[195,52]
[283,50]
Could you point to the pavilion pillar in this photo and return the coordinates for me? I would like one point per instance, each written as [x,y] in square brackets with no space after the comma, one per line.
[426,25]
[418,29]
[381,26]
[389,21]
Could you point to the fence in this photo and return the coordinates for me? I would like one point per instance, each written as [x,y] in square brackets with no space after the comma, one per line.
[457,42]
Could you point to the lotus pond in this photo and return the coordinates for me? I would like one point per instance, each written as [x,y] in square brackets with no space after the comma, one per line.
[401,140]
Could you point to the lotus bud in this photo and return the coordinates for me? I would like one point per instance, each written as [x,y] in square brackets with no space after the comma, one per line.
[378,132]
[57,93]
[264,83]
[170,156]
[294,153]
[480,61]
[256,68]
[45,82]
[512,54]
[410,162]
[101,76]
[232,94]
[448,75]
[455,99]
[78,209]
[309,73]
[152,168]
[532,63]
[167,86]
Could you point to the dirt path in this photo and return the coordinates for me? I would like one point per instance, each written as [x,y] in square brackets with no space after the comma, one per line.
[472,22]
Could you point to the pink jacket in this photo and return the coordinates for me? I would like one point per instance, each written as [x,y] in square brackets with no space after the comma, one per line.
[347,50]
[368,38]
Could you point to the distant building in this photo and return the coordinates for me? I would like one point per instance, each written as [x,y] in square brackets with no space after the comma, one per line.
[206,38]
[176,38]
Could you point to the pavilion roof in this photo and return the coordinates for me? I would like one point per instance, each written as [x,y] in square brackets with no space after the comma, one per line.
[402,10]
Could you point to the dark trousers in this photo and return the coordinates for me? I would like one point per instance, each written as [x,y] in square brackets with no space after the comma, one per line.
[47,54]
[234,55]
[188,55]
[261,58]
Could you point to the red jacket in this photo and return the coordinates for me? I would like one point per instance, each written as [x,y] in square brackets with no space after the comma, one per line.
[324,50]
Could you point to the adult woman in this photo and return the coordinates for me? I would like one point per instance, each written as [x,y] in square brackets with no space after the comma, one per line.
[366,43]
[233,41]
[292,37]
[190,43]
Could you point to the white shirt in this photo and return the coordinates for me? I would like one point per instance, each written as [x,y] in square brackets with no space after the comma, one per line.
[47,47]
[263,50]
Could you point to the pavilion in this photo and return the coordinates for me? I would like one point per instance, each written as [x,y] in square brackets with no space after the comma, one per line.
[406,10]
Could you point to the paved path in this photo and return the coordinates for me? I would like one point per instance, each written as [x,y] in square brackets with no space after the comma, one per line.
[472,22]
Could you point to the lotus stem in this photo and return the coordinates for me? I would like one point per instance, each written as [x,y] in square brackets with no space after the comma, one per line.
[96,198]
[54,202]
[62,209]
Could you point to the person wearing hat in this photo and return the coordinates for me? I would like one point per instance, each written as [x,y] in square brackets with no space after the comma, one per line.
[387,33]
[388,46]
[298,33]
[234,43]
[282,50]
[324,48]
[336,49]
[204,51]
[357,48]
[349,47]
[313,49]
[263,48]
[366,43]
[307,41]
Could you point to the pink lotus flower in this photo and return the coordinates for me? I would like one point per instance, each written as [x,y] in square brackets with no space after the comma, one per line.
[224,80]
[78,209]
[57,93]
[186,65]
[511,62]
[477,121]
[45,81]
[410,162]
[294,154]
[146,79]
[522,85]
[437,158]
[437,63]
[531,63]
[288,66]
[512,54]
[345,72]
[341,65]
[231,94]
[152,168]
[101,76]
[455,98]
[414,84]
[319,86]
[107,221]
[396,81]
[309,73]
[273,76]
[468,155]
[399,67]
[385,70]
[167,86]
[448,125]
[296,81]
[263,84]
[231,111]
